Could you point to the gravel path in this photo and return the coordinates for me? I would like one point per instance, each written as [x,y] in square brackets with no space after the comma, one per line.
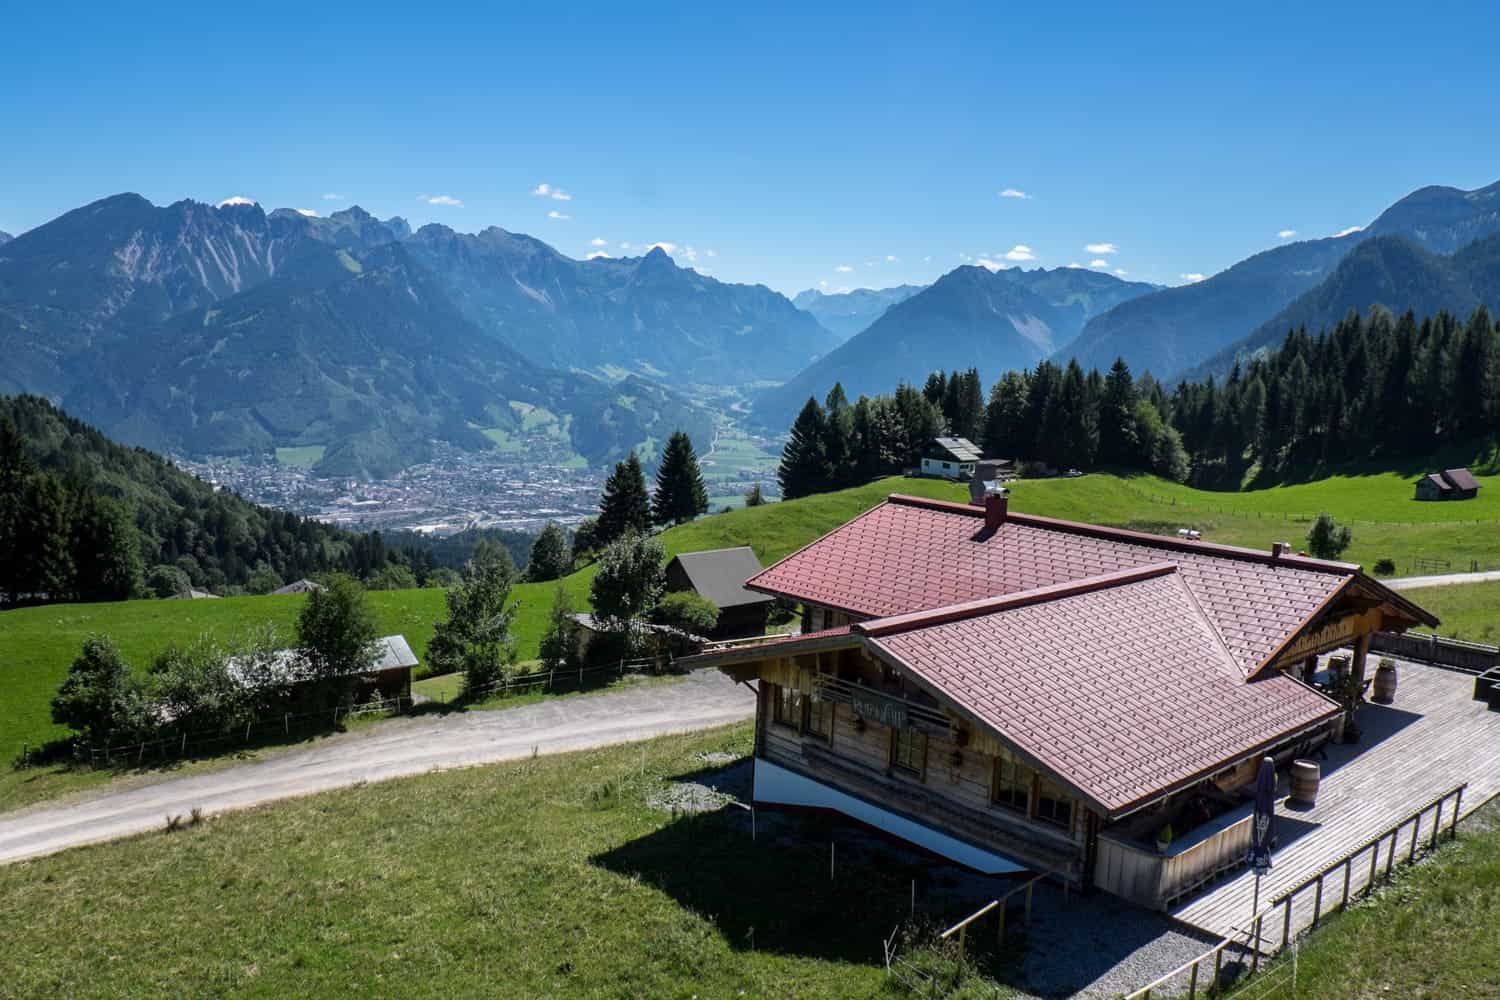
[391,749]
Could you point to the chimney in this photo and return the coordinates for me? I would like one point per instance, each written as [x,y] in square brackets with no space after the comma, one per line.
[1279,549]
[996,505]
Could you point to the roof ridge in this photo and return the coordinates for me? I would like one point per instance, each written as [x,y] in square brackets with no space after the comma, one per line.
[1129,535]
[1240,673]
[1004,602]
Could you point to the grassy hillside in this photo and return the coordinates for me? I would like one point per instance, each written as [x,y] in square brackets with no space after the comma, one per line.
[42,641]
[1386,524]
[550,877]
[1471,611]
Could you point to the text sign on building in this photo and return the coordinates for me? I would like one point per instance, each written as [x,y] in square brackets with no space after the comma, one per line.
[878,708]
[1337,633]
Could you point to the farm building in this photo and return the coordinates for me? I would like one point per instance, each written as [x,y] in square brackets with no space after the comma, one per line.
[950,458]
[193,594]
[299,587]
[1015,692]
[1450,484]
[719,575]
[389,669]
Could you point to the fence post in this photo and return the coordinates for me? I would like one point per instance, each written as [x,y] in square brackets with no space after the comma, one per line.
[1286,923]
[1416,826]
[1193,983]
[1318,902]
[1458,808]
[1390,859]
[1437,824]
[1213,987]
[286,723]
[1374,862]
[1348,866]
[1255,946]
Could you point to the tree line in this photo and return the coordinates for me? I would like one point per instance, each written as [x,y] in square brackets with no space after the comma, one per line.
[1373,387]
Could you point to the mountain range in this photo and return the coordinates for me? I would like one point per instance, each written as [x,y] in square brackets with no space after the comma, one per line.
[227,330]
[970,317]
[846,313]
[1173,330]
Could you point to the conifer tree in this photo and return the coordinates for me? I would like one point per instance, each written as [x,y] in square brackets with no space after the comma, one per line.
[1119,443]
[625,506]
[550,557]
[804,462]
[680,493]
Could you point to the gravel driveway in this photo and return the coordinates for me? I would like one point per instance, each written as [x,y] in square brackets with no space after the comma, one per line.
[389,750]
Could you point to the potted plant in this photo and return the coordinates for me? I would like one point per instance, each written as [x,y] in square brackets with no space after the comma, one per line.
[1349,692]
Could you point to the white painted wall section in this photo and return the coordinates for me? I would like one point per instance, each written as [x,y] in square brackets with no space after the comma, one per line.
[777,785]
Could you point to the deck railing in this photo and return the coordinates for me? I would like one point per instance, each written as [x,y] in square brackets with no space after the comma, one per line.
[962,927]
[1250,938]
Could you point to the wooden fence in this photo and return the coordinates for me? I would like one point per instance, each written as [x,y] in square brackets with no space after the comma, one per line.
[1251,940]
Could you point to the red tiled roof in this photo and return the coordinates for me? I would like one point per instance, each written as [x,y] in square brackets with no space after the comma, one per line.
[1118,685]
[910,555]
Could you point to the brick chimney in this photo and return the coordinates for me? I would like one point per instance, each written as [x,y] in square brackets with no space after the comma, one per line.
[996,506]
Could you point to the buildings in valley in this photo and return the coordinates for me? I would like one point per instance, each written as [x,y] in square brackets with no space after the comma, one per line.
[1016,692]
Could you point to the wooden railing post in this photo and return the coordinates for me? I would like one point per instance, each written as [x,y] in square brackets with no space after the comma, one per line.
[1437,823]
[1416,826]
[1348,866]
[1374,863]
[1218,969]
[1286,924]
[1193,983]
[1458,810]
[1318,902]
[1390,859]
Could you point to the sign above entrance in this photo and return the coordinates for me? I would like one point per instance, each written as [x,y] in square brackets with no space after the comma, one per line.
[876,707]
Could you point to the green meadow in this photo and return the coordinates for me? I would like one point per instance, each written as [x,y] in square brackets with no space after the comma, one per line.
[1418,537]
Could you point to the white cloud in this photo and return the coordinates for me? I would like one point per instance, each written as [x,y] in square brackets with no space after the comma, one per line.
[446,200]
[1098,262]
[624,246]
[335,197]
[596,255]
[598,241]
[927,259]
[712,253]
[668,248]
[555,214]
[1098,248]
[1121,271]
[1014,193]
[1192,277]
[237,200]
[1073,263]
[1346,232]
[843,269]
[992,265]
[688,253]
[891,258]
[1287,234]
[307,212]
[548,191]
[1020,252]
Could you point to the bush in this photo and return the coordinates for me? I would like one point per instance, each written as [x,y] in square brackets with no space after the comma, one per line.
[336,629]
[475,638]
[629,580]
[165,580]
[1385,567]
[102,699]
[560,642]
[689,612]
[1327,539]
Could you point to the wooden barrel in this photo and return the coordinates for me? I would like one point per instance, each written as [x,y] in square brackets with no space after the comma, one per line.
[1385,683]
[1305,777]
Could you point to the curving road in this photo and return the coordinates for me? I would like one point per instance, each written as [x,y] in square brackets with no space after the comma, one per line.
[1444,580]
[389,750]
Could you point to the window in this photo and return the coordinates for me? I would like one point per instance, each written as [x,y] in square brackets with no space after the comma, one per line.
[819,718]
[908,750]
[1053,805]
[1012,785]
[787,706]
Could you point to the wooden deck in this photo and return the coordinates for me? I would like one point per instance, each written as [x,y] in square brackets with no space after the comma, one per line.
[1432,739]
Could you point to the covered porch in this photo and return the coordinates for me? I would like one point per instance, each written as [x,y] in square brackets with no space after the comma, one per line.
[1434,737]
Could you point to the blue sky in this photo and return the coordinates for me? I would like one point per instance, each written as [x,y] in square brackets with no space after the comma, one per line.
[781,144]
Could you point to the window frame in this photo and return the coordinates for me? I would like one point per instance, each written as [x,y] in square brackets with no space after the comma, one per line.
[1062,797]
[1024,778]
[917,769]
[779,697]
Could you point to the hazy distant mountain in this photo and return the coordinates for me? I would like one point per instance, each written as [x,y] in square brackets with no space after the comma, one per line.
[1389,271]
[641,314]
[223,329]
[5,238]
[1178,328]
[847,313]
[970,317]
[364,355]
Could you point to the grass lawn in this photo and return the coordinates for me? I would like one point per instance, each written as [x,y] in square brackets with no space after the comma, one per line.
[1434,933]
[304,457]
[43,641]
[1469,611]
[550,877]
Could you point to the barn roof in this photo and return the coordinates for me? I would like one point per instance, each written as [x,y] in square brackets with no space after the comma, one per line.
[958,449]
[720,574]
[1461,479]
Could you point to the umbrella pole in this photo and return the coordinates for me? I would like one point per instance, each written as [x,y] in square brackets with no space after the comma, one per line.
[1254,909]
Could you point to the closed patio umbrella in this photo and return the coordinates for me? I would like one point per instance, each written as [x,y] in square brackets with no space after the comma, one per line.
[1262,824]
